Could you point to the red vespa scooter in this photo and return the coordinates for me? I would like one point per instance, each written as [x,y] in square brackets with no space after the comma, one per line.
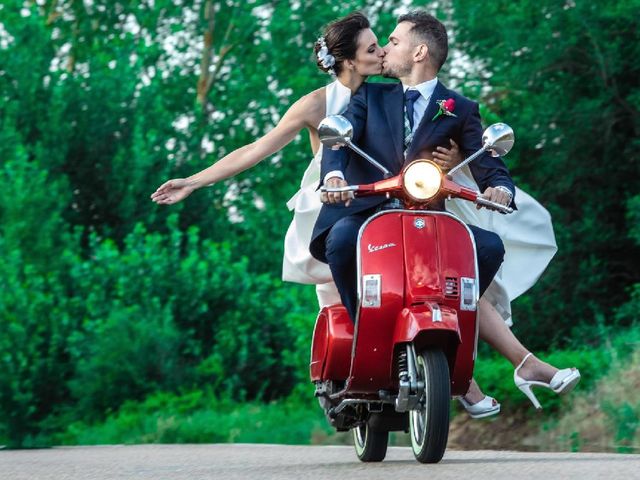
[414,342]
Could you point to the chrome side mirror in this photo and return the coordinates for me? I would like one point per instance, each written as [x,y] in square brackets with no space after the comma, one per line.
[335,131]
[498,139]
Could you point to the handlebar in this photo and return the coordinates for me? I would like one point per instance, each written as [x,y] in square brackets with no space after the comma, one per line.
[496,206]
[478,200]
[348,188]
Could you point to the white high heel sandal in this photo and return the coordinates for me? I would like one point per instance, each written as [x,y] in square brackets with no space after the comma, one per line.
[482,409]
[562,382]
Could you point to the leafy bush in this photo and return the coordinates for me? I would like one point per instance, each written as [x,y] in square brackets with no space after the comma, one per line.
[202,417]
[158,313]
[36,306]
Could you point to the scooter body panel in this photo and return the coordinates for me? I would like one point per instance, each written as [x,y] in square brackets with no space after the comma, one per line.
[381,255]
[458,268]
[332,344]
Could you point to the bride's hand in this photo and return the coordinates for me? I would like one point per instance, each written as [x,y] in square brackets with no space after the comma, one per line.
[447,158]
[173,191]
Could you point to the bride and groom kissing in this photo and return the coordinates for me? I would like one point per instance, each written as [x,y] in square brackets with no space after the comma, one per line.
[396,123]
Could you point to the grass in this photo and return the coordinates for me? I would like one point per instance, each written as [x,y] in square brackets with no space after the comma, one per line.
[201,417]
[607,418]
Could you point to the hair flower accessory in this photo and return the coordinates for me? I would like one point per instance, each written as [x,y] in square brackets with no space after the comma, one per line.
[445,107]
[326,59]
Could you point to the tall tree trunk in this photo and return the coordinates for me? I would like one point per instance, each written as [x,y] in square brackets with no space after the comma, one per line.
[207,55]
[207,77]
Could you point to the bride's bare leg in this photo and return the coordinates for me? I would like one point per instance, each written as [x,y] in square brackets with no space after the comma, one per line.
[474,394]
[496,333]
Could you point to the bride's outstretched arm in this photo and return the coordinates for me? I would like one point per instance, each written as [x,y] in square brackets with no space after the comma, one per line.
[296,118]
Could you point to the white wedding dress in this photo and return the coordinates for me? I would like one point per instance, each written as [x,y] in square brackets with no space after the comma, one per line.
[298,264]
[527,233]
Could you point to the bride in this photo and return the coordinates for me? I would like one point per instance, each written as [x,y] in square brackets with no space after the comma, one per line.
[349,51]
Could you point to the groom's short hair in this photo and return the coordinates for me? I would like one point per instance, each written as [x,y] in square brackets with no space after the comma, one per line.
[431,31]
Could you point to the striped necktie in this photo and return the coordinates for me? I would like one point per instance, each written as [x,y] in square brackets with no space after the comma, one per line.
[410,97]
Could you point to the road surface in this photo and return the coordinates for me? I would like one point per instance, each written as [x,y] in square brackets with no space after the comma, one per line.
[234,462]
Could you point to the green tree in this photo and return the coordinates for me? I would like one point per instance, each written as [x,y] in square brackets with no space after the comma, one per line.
[563,75]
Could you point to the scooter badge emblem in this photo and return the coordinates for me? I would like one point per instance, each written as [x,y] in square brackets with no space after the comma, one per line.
[419,223]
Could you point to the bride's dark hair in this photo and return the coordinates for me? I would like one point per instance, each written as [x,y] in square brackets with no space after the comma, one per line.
[341,39]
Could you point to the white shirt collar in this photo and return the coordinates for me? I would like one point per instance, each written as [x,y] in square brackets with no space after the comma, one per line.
[425,88]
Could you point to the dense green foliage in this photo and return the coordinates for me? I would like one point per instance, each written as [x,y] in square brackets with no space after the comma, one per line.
[601,415]
[106,298]
[563,75]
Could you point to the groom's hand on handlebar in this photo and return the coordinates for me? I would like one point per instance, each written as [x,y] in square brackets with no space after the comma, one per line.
[336,197]
[497,195]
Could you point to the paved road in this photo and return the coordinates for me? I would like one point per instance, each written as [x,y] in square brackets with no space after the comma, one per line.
[232,462]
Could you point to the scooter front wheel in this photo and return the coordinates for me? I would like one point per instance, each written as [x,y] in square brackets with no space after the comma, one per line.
[371,445]
[429,423]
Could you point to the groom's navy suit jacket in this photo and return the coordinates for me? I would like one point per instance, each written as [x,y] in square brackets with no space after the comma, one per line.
[376,112]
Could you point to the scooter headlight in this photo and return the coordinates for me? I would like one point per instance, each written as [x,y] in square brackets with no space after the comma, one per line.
[422,180]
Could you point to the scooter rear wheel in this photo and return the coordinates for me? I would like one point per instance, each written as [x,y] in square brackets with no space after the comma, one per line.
[429,423]
[371,446]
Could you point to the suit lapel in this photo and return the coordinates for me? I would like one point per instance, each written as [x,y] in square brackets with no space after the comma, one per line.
[393,104]
[427,126]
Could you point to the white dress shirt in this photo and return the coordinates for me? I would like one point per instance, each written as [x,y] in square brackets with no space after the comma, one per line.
[420,106]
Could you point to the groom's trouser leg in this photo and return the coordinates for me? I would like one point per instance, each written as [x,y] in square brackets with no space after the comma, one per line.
[490,253]
[341,255]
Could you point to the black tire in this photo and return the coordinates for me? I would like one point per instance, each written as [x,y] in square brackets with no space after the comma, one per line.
[371,445]
[429,425]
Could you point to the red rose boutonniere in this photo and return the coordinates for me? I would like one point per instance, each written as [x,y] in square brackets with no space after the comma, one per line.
[445,107]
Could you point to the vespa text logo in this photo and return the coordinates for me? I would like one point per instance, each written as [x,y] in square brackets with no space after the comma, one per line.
[375,248]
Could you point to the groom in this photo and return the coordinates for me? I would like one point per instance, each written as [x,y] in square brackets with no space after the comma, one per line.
[396,124]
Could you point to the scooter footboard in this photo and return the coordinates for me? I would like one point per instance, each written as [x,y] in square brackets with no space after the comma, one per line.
[435,325]
[332,344]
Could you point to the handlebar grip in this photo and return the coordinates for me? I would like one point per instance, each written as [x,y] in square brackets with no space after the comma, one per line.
[348,188]
[496,206]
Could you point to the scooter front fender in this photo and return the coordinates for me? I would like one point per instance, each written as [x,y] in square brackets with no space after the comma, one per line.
[429,326]
[428,322]
[437,326]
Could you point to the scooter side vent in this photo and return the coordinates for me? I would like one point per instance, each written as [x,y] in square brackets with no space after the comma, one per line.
[451,287]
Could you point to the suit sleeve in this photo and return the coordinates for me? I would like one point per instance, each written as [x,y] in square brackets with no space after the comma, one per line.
[356,113]
[487,171]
